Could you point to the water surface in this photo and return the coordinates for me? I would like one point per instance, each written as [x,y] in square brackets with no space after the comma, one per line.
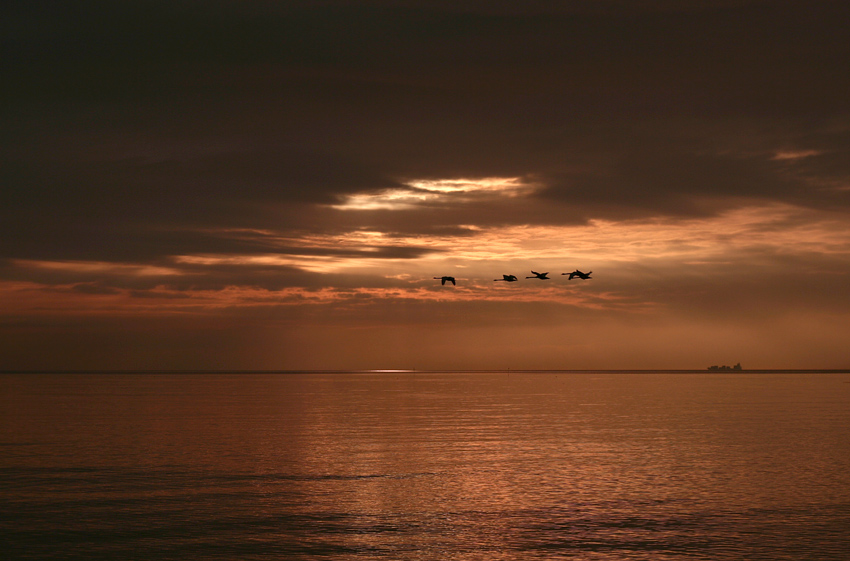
[426,466]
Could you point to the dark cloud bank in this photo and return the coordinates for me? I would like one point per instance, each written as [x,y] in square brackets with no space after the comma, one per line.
[131,116]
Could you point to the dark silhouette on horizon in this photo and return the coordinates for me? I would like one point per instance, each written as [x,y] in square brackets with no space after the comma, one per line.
[579,274]
[541,276]
[725,368]
[444,279]
[506,278]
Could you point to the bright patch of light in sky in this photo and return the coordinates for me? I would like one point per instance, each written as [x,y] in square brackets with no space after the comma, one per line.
[796,154]
[438,191]
[499,185]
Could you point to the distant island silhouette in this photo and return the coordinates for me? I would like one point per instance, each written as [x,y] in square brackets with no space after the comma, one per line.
[725,368]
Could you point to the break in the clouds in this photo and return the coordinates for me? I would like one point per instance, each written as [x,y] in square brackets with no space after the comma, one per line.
[310,167]
[439,193]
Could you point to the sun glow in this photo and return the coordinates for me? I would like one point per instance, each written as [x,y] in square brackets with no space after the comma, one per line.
[796,154]
[436,192]
[488,250]
[499,185]
[367,267]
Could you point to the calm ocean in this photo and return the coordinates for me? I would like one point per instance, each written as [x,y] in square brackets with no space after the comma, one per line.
[422,466]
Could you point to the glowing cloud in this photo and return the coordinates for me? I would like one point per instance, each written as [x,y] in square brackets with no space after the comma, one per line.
[796,154]
[486,251]
[438,191]
[98,267]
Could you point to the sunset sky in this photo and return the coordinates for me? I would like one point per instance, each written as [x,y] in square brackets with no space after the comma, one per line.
[274,185]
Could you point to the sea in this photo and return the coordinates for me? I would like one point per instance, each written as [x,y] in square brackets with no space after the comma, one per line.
[396,465]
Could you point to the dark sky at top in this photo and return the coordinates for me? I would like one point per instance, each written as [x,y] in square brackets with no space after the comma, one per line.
[134,132]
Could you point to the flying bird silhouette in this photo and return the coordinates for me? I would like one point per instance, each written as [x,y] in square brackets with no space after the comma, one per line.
[444,279]
[579,274]
[541,276]
[506,278]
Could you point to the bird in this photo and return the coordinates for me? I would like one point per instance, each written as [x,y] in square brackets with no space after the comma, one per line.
[579,274]
[541,276]
[506,278]
[444,279]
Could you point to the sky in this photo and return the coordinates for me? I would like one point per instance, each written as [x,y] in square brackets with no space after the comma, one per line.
[231,184]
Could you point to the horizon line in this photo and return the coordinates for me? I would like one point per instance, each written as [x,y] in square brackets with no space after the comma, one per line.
[424,371]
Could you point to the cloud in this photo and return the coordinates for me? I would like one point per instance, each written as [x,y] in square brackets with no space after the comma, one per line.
[437,192]
[324,160]
[187,118]
[709,264]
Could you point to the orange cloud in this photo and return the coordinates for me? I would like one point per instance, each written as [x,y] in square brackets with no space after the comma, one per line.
[103,267]
[437,191]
